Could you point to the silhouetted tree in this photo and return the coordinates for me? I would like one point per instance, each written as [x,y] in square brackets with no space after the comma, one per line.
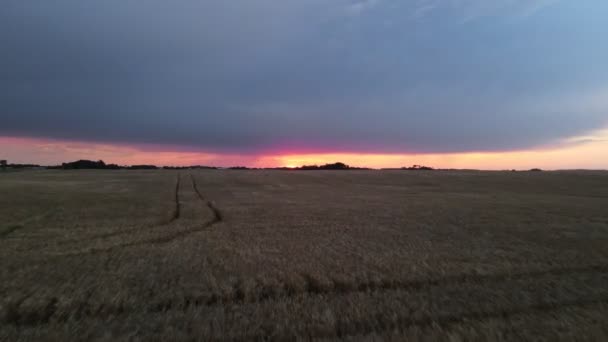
[3,164]
[309,167]
[418,167]
[84,164]
[334,166]
[143,167]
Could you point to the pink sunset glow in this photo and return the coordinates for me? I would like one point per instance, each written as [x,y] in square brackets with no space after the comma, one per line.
[589,152]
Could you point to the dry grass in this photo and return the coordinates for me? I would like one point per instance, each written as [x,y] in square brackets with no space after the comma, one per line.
[361,255]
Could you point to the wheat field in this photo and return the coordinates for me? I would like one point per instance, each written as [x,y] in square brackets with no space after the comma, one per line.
[303,255]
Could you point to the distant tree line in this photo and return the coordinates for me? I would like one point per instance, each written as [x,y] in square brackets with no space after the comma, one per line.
[101,165]
[334,166]
[4,165]
[87,164]
[413,167]
[23,166]
[418,167]
[84,164]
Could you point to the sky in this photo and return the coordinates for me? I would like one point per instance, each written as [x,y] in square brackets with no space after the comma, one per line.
[491,84]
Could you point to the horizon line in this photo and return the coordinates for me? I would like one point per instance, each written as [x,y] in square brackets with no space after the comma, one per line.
[285,168]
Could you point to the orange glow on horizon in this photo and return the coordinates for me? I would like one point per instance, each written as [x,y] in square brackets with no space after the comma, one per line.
[590,152]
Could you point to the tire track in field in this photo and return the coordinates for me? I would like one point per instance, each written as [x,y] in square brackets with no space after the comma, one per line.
[403,322]
[152,241]
[177,210]
[317,287]
[263,293]
[174,216]
[186,303]
[9,230]
[217,217]
[355,328]
[217,214]
[364,329]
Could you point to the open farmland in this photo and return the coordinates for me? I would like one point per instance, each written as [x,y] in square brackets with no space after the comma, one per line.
[279,255]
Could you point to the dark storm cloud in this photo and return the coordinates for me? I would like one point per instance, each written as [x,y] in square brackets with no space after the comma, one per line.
[261,75]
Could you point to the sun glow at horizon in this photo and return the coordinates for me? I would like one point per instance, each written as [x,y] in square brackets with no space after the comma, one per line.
[589,151]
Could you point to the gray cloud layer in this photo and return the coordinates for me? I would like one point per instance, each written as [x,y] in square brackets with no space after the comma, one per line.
[262,75]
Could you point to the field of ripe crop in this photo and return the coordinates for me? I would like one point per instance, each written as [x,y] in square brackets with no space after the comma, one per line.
[280,255]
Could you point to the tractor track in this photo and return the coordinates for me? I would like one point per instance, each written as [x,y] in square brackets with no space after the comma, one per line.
[363,328]
[19,316]
[264,293]
[151,241]
[217,214]
[9,230]
[174,216]
[217,217]
[177,210]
